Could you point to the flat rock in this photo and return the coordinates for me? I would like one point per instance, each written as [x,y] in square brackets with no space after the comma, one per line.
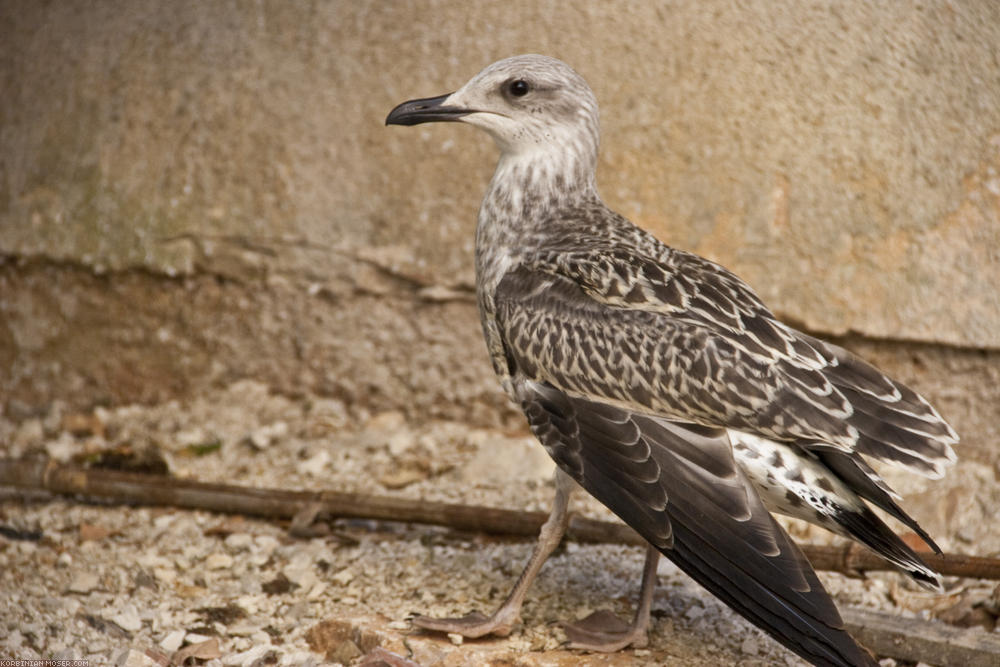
[128,618]
[84,582]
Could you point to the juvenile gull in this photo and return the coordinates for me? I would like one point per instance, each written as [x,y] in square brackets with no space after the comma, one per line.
[660,383]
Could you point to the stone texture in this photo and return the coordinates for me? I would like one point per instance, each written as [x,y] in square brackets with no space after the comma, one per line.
[196,191]
[140,337]
[378,574]
[66,333]
[843,158]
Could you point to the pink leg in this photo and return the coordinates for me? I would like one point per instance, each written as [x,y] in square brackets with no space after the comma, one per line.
[503,619]
[604,632]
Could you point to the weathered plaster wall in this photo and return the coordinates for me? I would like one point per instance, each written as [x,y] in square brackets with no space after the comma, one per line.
[193,191]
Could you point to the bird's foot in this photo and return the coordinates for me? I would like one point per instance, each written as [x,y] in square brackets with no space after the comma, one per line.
[603,632]
[471,625]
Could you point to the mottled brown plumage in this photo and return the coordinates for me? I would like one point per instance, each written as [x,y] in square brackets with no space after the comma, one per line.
[639,367]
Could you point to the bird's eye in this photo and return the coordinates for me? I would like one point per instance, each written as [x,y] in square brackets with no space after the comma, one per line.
[518,88]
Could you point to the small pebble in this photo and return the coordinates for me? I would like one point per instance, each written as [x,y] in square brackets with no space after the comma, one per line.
[455,638]
[62,448]
[266,544]
[84,582]
[248,657]
[219,561]
[136,658]
[239,541]
[164,574]
[163,522]
[345,652]
[343,577]
[260,637]
[262,437]
[316,591]
[400,442]
[315,465]
[694,612]
[298,658]
[172,641]
[750,646]
[30,432]
[128,619]
[243,629]
[251,603]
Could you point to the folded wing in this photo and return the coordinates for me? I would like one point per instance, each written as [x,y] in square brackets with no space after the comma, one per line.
[679,487]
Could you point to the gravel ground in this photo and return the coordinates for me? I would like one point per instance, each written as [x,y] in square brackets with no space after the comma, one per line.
[147,586]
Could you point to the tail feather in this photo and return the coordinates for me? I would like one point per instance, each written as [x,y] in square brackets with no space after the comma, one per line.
[871,531]
[866,483]
[828,487]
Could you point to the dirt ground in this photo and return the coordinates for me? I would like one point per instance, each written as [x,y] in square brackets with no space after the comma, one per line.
[135,586]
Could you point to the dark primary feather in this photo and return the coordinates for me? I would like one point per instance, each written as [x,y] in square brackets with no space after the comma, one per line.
[863,481]
[894,423]
[871,531]
[680,488]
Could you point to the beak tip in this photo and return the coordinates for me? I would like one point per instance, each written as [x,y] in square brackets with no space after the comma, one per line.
[426,110]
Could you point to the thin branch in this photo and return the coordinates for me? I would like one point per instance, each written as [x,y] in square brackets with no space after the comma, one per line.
[135,489]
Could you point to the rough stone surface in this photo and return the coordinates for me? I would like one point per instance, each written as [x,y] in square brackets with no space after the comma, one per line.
[201,192]
[844,158]
[138,337]
[65,333]
[323,600]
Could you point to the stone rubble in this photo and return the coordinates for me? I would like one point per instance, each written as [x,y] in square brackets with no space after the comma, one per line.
[155,582]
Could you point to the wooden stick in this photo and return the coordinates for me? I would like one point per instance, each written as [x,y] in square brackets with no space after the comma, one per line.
[135,489]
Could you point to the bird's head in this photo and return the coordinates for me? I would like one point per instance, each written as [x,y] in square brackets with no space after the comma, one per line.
[526,103]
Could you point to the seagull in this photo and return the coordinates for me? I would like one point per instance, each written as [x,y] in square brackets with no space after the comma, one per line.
[659,382]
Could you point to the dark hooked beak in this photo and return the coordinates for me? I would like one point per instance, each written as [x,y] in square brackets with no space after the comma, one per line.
[427,110]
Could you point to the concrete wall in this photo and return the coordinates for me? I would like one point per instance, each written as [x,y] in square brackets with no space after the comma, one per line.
[196,191]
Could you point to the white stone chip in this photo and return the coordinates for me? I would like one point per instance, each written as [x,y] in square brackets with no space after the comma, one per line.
[248,657]
[172,642]
[136,658]
[343,577]
[315,465]
[84,582]
[219,561]
[128,619]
